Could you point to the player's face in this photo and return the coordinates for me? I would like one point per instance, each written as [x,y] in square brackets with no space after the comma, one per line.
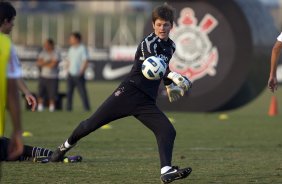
[72,40]
[47,46]
[162,28]
[7,26]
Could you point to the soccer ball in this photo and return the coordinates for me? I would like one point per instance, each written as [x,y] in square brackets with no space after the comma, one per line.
[154,68]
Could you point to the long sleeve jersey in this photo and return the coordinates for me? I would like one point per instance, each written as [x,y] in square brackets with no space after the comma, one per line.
[151,45]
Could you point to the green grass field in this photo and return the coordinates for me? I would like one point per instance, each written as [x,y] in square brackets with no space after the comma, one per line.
[246,148]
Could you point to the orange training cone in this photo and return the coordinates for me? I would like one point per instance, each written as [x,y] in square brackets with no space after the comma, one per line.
[273,107]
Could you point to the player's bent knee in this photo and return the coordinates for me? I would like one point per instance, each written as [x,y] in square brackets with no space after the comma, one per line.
[89,125]
[173,133]
[169,133]
[86,126]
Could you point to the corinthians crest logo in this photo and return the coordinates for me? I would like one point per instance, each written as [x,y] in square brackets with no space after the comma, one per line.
[195,56]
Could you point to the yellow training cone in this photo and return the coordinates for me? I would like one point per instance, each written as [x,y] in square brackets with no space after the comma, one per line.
[223,117]
[27,134]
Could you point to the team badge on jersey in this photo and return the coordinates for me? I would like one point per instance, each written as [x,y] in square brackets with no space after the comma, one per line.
[119,91]
[195,56]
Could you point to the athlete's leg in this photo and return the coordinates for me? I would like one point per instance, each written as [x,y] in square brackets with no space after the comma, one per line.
[52,93]
[110,110]
[70,89]
[41,94]
[118,105]
[155,120]
[28,152]
[34,152]
[83,92]
[4,142]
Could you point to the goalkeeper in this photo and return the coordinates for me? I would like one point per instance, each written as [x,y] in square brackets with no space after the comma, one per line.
[136,96]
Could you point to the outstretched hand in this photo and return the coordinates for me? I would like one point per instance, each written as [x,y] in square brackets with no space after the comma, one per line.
[174,92]
[272,84]
[181,81]
[31,100]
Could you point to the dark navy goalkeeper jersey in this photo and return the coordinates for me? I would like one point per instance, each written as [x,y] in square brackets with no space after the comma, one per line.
[151,45]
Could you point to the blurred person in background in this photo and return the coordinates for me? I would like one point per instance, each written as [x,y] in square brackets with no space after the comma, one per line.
[77,62]
[14,83]
[272,82]
[48,60]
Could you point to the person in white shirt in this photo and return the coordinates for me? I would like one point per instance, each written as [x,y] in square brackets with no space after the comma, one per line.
[77,64]
[48,60]
[272,82]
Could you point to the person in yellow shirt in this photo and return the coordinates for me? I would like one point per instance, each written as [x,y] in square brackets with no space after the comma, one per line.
[14,82]
[4,57]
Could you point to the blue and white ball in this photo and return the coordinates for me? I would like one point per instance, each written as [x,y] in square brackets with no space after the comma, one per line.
[154,68]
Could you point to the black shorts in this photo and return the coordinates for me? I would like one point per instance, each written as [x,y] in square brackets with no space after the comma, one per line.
[4,142]
[48,88]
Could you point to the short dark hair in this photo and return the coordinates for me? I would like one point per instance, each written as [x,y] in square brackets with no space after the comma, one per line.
[50,41]
[77,35]
[7,12]
[164,12]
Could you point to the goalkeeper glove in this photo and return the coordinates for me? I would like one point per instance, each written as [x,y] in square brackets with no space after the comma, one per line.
[188,82]
[180,81]
[174,92]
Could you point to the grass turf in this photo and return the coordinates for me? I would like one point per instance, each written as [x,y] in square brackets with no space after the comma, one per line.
[245,148]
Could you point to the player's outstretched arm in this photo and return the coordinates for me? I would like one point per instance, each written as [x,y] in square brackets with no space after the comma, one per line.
[31,100]
[176,85]
[174,92]
[180,80]
[148,47]
[272,82]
